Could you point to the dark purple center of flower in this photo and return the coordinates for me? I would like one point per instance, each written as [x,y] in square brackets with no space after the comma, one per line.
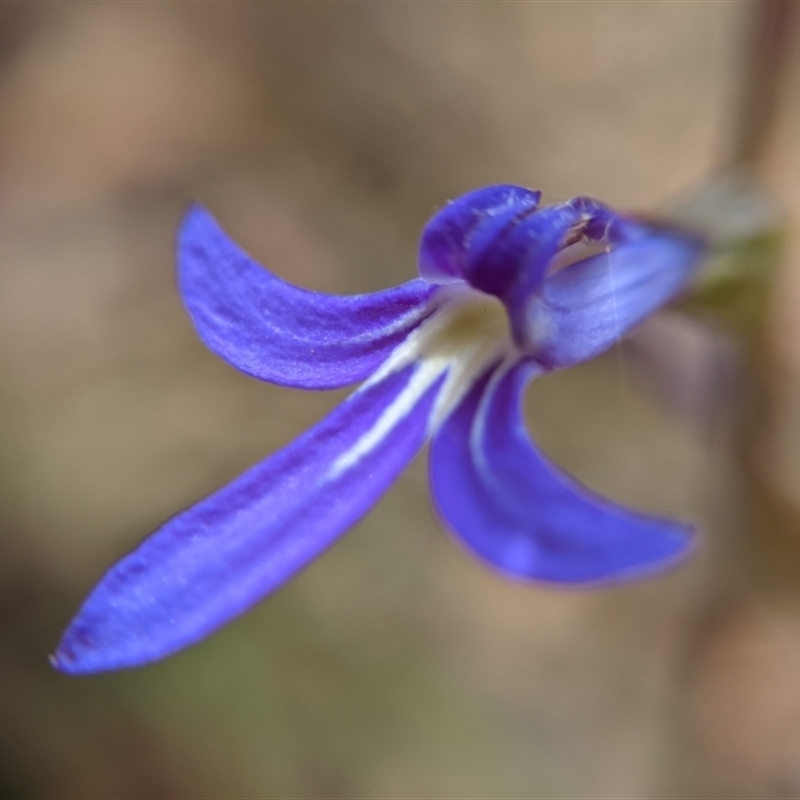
[501,243]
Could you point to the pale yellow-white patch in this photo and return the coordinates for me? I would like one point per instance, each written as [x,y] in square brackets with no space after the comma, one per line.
[462,338]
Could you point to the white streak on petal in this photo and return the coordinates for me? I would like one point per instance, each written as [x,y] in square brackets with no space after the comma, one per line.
[463,372]
[421,380]
[477,434]
[466,335]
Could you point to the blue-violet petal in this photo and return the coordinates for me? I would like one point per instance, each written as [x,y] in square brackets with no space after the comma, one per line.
[272,330]
[219,557]
[587,306]
[499,242]
[447,239]
[514,509]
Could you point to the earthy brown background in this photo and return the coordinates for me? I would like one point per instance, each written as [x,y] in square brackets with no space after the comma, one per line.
[323,135]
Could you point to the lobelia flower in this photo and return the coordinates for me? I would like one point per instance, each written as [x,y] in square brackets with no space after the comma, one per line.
[446,357]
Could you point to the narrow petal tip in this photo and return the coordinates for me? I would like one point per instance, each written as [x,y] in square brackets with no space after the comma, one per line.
[70,666]
[80,652]
[71,659]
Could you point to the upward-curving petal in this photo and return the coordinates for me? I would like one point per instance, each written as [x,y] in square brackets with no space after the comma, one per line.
[500,495]
[279,332]
[500,242]
[219,557]
[448,238]
[586,307]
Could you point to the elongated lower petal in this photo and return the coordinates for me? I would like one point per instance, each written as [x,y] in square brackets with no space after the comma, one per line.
[219,557]
[278,332]
[586,307]
[499,494]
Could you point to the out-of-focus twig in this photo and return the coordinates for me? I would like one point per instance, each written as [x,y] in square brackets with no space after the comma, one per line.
[762,540]
[772,36]
[774,521]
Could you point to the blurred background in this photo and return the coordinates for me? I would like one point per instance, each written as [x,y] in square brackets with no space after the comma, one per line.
[323,136]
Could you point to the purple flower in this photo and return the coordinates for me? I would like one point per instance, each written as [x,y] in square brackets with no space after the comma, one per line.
[507,292]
